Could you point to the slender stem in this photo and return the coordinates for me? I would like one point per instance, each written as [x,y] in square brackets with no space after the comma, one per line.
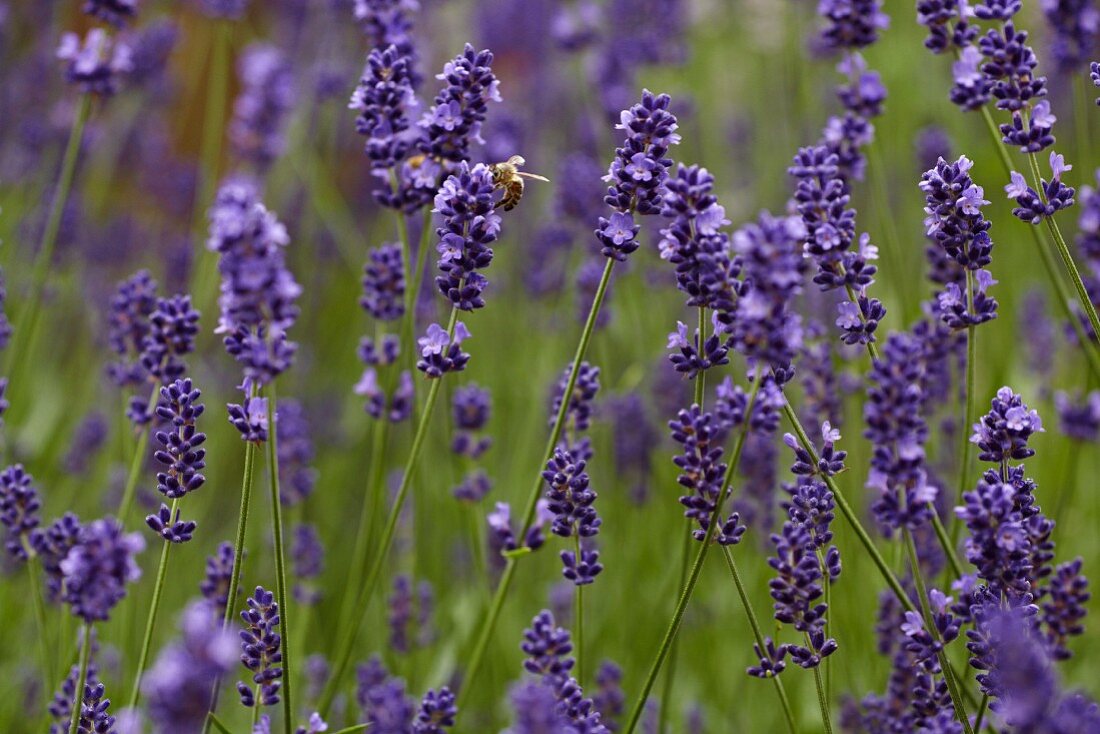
[701,378]
[28,318]
[880,196]
[822,699]
[1089,344]
[981,712]
[486,631]
[922,594]
[697,565]
[138,460]
[945,541]
[256,706]
[1063,251]
[82,677]
[280,555]
[850,515]
[154,606]
[969,397]
[347,645]
[578,618]
[210,151]
[238,553]
[33,563]
[758,635]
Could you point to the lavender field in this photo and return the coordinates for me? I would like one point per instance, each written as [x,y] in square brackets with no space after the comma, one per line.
[549,366]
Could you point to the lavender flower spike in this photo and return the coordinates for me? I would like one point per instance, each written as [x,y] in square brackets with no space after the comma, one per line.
[260,643]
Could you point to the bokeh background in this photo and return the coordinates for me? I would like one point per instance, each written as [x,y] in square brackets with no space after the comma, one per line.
[748,91]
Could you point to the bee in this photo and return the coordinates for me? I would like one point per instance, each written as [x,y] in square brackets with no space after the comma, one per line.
[508,178]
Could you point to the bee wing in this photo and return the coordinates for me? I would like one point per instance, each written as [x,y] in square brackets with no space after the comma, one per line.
[517,160]
[535,176]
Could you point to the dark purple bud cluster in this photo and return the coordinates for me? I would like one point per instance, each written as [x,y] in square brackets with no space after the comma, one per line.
[864,94]
[954,208]
[470,226]
[381,354]
[94,717]
[897,431]
[250,419]
[796,590]
[260,650]
[548,649]
[52,545]
[569,495]
[19,511]
[215,584]
[954,310]
[850,24]
[1003,432]
[261,109]
[830,461]
[922,643]
[61,707]
[455,118]
[1074,38]
[169,526]
[437,712]
[473,487]
[821,197]
[96,65]
[386,23]
[609,698]
[384,283]
[173,325]
[638,173]
[382,698]
[440,352]
[858,321]
[181,454]
[127,326]
[503,538]
[115,12]
[1000,543]
[948,24]
[399,613]
[98,567]
[297,477]
[691,357]
[764,324]
[578,413]
[702,472]
[772,659]
[470,408]
[694,243]
[398,407]
[384,99]
[1063,609]
[1033,207]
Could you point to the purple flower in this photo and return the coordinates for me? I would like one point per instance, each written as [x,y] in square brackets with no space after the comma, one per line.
[96,65]
[177,686]
[260,643]
[1003,432]
[400,613]
[548,649]
[503,539]
[771,659]
[638,173]
[1075,24]
[115,12]
[796,589]
[578,411]
[1078,418]
[250,419]
[52,545]
[1033,207]
[897,432]
[295,448]
[1062,612]
[858,321]
[384,283]
[925,645]
[455,118]
[385,100]
[180,453]
[470,408]
[694,358]
[702,472]
[215,584]
[470,226]
[98,567]
[850,24]
[173,325]
[609,698]
[537,710]
[955,220]
[437,712]
[128,325]
[954,310]
[948,24]
[19,511]
[440,352]
[261,109]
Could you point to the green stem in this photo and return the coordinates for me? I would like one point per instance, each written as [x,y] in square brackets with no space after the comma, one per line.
[28,318]
[578,621]
[137,461]
[33,563]
[238,552]
[1063,251]
[822,700]
[697,565]
[945,541]
[969,397]
[758,635]
[486,631]
[981,712]
[347,645]
[82,678]
[929,624]
[673,654]
[154,606]
[849,514]
[210,151]
[280,555]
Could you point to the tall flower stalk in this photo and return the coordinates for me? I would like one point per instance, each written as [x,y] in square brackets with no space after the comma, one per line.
[637,176]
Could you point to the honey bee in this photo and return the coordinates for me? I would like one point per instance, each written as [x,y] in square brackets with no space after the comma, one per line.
[508,178]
